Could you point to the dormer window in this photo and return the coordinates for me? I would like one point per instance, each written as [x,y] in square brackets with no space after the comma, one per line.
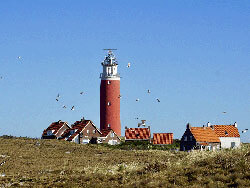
[226,133]
[50,132]
[109,103]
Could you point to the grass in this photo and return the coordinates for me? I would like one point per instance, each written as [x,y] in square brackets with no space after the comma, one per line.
[53,163]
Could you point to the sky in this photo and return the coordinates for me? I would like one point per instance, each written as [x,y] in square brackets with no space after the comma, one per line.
[193,55]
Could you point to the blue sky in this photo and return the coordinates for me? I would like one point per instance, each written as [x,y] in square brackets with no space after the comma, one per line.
[193,55]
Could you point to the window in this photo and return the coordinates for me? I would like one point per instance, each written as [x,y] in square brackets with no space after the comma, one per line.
[191,137]
[108,125]
[232,144]
[87,131]
[185,138]
[109,82]
[94,131]
[112,135]
[109,103]
[49,132]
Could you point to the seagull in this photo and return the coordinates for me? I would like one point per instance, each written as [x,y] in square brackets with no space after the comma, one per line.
[128,65]
[158,100]
[149,91]
[64,106]
[19,57]
[57,99]
[224,112]
[58,95]
[81,92]
[73,108]
[137,100]
[136,118]
[244,131]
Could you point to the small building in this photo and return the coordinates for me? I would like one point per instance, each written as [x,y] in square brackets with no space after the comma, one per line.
[201,138]
[137,134]
[82,132]
[228,134]
[55,130]
[109,137]
[163,138]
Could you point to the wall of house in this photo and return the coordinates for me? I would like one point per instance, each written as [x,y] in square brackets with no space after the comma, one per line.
[226,142]
[188,142]
[111,140]
[89,135]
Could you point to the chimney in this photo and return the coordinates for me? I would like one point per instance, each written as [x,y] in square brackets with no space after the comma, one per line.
[235,124]
[126,127]
[208,124]
[82,119]
[188,126]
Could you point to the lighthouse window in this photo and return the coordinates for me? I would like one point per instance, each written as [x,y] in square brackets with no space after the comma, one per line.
[109,103]
[109,82]
[108,125]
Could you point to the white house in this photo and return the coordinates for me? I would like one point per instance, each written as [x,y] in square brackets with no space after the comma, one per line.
[228,135]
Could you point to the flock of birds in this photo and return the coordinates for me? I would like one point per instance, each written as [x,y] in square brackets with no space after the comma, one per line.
[72,108]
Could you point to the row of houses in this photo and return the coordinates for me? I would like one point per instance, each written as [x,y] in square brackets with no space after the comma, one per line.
[210,137]
[207,137]
[84,131]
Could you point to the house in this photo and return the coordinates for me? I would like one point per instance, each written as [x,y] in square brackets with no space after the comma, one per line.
[202,138]
[228,134]
[109,136]
[83,131]
[55,130]
[138,134]
[162,138]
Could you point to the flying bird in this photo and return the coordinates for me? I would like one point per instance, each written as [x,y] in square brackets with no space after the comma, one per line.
[64,106]
[244,131]
[158,100]
[19,57]
[137,100]
[128,65]
[73,108]
[149,91]
[81,92]
[57,99]
[58,95]
[224,112]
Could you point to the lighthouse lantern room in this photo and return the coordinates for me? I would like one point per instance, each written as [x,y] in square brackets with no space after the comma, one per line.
[110,95]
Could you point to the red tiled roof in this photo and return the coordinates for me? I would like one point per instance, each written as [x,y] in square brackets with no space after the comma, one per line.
[105,132]
[163,138]
[78,126]
[204,134]
[54,126]
[226,130]
[137,133]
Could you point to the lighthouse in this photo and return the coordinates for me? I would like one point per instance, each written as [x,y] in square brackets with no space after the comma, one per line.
[110,95]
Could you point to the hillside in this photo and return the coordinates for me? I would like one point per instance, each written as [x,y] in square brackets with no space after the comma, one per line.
[53,163]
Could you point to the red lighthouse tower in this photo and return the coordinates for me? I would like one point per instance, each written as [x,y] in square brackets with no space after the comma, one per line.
[110,95]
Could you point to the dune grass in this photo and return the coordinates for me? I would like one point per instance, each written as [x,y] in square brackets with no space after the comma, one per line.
[53,163]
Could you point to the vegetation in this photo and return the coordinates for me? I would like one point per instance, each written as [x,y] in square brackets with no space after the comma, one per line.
[54,163]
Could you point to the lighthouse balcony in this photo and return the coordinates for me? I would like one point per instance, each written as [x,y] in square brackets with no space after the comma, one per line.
[109,75]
